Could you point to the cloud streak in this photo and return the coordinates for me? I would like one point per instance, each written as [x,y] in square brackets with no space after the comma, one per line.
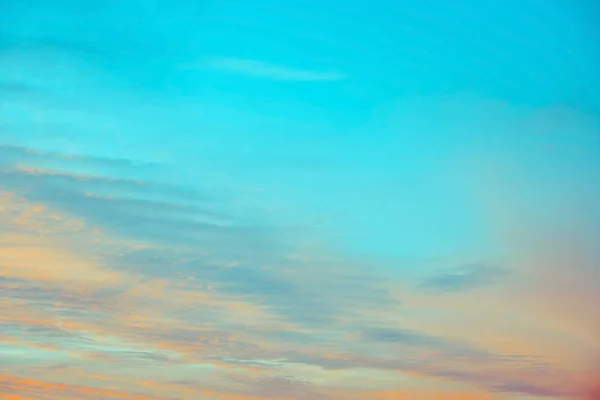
[265,70]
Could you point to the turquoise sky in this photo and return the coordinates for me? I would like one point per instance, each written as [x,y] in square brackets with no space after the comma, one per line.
[401,138]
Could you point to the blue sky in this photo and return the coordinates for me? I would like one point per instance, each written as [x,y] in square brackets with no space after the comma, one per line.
[362,99]
[383,143]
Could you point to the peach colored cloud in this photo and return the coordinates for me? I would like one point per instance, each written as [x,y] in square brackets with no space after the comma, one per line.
[34,245]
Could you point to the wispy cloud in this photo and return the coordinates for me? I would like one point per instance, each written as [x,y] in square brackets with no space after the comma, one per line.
[467,277]
[262,69]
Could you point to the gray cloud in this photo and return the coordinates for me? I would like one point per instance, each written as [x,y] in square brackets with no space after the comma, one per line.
[467,277]
[130,208]
[400,336]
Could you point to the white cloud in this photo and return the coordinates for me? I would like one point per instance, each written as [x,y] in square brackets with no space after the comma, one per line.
[266,70]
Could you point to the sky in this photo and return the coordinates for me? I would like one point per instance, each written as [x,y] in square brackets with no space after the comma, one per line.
[299,199]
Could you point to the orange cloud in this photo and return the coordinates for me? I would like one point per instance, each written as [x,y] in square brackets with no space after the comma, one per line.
[26,388]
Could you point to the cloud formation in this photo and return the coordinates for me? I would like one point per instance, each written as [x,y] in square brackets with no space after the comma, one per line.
[157,238]
[110,284]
